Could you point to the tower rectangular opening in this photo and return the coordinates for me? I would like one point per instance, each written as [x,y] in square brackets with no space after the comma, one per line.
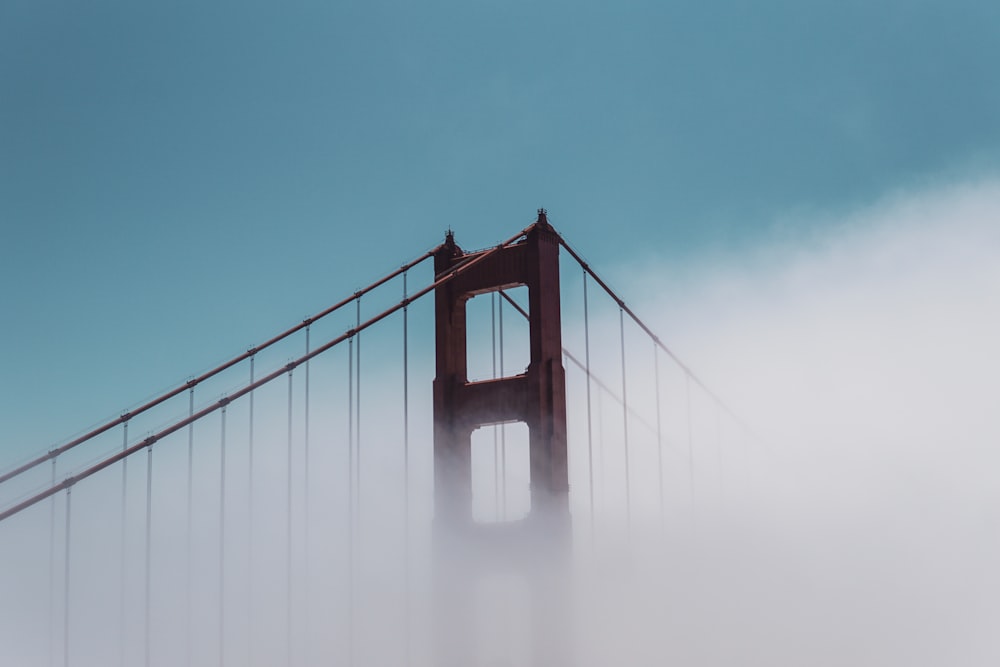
[501,473]
[497,335]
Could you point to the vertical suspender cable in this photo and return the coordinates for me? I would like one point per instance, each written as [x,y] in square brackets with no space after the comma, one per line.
[250,519]
[357,425]
[350,501]
[496,442]
[190,529]
[628,493]
[288,535]
[149,540]
[503,427]
[590,430]
[122,582]
[600,444]
[718,447]
[305,492]
[222,538]
[659,432]
[356,527]
[357,407]
[52,568]
[406,477]
[687,391]
[66,582]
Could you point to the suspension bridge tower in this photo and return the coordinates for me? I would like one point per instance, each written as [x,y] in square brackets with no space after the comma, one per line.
[535,549]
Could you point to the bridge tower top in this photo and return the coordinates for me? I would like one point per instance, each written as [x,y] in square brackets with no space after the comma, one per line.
[536,397]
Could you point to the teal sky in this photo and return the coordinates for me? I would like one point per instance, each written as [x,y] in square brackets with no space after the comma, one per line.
[180,180]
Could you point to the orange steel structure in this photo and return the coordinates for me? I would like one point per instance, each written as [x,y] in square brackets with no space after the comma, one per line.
[535,547]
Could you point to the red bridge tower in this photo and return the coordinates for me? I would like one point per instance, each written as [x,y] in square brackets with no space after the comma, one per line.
[537,546]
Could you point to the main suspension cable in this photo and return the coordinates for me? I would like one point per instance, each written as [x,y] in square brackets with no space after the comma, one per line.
[441,279]
[10,474]
[649,332]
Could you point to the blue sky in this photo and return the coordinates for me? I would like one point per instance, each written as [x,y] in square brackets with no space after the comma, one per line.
[180,180]
[801,197]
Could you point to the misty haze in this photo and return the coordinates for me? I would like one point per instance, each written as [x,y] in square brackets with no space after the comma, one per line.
[832,501]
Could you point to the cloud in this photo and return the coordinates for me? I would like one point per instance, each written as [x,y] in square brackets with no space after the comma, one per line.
[859,526]
[865,357]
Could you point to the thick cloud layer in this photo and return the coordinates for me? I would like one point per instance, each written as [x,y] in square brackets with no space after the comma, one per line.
[856,521]
[866,361]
